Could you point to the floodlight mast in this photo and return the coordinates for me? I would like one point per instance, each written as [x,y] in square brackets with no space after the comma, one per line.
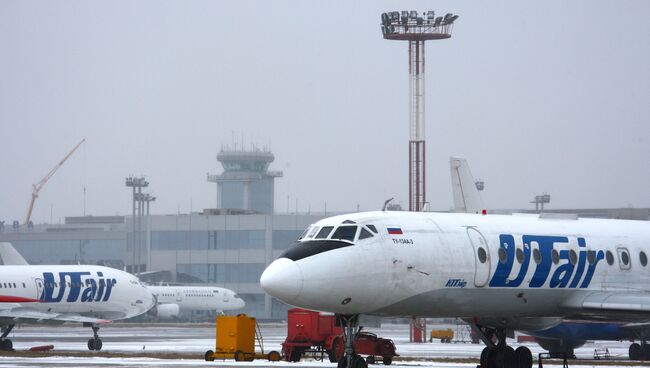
[416,30]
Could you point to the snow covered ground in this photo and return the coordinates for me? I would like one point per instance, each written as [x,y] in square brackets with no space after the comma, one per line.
[198,339]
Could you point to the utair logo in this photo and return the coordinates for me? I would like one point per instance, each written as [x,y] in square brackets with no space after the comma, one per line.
[567,274]
[82,287]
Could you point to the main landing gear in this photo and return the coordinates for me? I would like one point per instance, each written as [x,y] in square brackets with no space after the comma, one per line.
[95,343]
[500,355]
[350,359]
[5,343]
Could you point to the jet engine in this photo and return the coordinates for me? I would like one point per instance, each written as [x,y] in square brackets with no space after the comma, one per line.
[166,311]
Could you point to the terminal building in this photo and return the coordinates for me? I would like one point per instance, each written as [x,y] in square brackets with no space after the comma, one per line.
[227,246]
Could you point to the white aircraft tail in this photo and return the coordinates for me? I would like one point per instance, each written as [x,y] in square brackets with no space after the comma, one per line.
[10,255]
[466,195]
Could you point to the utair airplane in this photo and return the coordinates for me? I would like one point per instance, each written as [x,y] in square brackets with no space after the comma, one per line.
[92,295]
[499,273]
[171,300]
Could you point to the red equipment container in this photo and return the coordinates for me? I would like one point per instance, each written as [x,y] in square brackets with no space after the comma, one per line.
[310,332]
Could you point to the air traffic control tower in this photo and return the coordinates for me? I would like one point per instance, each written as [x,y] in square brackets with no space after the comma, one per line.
[416,29]
[246,182]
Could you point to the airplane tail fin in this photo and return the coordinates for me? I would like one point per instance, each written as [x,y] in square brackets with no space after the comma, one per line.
[466,194]
[10,255]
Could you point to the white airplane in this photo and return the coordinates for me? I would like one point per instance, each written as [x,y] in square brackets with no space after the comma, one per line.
[171,300]
[92,295]
[498,272]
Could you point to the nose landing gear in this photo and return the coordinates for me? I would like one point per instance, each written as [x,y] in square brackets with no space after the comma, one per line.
[95,343]
[350,359]
[5,343]
[501,355]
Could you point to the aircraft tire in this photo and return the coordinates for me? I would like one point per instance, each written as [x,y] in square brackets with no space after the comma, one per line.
[98,344]
[645,352]
[505,358]
[359,362]
[6,345]
[484,357]
[91,344]
[635,352]
[523,357]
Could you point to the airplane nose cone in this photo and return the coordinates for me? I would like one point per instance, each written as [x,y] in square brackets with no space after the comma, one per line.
[282,279]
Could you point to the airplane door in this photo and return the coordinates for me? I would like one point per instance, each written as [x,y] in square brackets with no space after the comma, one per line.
[39,288]
[481,257]
[179,296]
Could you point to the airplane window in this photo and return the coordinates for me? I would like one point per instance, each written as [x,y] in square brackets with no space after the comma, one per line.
[373,228]
[591,257]
[555,256]
[313,232]
[349,222]
[345,233]
[503,257]
[324,232]
[643,258]
[520,255]
[609,257]
[537,256]
[573,257]
[625,258]
[482,256]
[15,285]
[364,234]
[26,286]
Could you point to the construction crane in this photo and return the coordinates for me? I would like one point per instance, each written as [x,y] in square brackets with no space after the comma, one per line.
[36,188]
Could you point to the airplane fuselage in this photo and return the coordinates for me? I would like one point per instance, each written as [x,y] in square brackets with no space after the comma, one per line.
[491,267]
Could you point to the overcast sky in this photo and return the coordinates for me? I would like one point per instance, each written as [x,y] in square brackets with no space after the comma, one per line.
[551,96]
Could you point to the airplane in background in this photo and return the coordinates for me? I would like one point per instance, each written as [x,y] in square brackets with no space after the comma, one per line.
[91,295]
[172,300]
[499,273]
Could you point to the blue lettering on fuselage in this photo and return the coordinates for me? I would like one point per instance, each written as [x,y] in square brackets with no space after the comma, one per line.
[82,287]
[566,274]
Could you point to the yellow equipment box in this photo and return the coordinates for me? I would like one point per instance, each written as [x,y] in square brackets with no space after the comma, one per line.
[444,335]
[235,339]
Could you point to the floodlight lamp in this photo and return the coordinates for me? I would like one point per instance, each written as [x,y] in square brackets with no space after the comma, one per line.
[431,14]
[437,22]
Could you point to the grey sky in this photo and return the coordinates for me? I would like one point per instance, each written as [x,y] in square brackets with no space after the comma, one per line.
[547,96]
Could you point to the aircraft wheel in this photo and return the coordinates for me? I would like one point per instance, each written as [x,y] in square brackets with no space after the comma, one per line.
[645,352]
[359,362]
[484,357]
[524,357]
[6,345]
[505,358]
[98,344]
[635,352]
[91,344]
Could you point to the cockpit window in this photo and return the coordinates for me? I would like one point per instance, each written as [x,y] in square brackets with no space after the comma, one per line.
[345,233]
[305,232]
[364,234]
[312,232]
[324,232]
[372,228]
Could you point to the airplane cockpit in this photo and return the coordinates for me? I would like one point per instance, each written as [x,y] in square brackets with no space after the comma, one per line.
[346,231]
[319,238]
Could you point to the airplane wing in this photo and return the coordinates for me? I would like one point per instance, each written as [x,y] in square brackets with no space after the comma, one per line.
[19,312]
[625,305]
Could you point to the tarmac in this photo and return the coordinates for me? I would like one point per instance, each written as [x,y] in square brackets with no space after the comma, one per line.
[183,345]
